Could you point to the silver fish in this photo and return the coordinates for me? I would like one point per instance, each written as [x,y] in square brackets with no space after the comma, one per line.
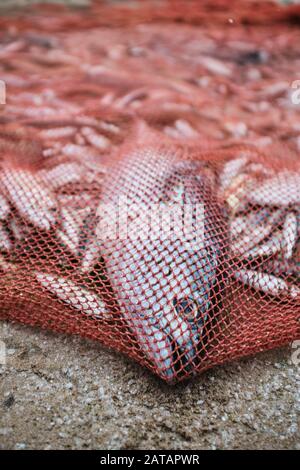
[164,285]
[231,170]
[30,197]
[96,140]
[279,191]
[258,229]
[267,283]
[290,232]
[63,174]
[57,132]
[5,242]
[4,208]
[89,248]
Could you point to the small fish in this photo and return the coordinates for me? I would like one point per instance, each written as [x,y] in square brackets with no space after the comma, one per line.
[57,133]
[4,208]
[109,127]
[63,174]
[71,221]
[238,225]
[281,190]
[75,296]
[29,196]
[6,266]
[270,248]
[172,132]
[267,283]
[89,249]
[290,233]
[241,246]
[79,152]
[238,177]
[185,128]
[234,195]
[91,256]
[18,229]
[133,97]
[78,201]
[241,224]
[215,66]
[5,241]
[67,242]
[96,140]
[283,268]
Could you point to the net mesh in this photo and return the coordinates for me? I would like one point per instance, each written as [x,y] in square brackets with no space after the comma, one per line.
[149,177]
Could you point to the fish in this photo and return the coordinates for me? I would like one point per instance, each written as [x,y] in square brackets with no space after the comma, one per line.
[26,191]
[290,233]
[267,283]
[62,174]
[18,229]
[287,268]
[258,229]
[96,140]
[281,190]
[5,242]
[164,284]
[4,208]
[241,224]
[57,133]
[186,129]
[271,247]
[89,249]
[75,296]
[231,170]
[72,221]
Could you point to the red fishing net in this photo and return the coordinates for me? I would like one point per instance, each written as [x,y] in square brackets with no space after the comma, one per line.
[149,177]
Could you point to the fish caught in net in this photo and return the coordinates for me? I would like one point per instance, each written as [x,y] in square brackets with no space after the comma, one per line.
[150,178]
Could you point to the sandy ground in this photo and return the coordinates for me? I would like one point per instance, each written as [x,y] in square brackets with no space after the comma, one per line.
[68,393]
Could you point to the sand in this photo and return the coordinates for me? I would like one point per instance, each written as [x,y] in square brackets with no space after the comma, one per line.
[63,392]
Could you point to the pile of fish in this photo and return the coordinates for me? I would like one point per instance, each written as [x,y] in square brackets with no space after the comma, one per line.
[184,116]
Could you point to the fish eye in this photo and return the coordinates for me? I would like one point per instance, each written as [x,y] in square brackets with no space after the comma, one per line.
[186,307]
